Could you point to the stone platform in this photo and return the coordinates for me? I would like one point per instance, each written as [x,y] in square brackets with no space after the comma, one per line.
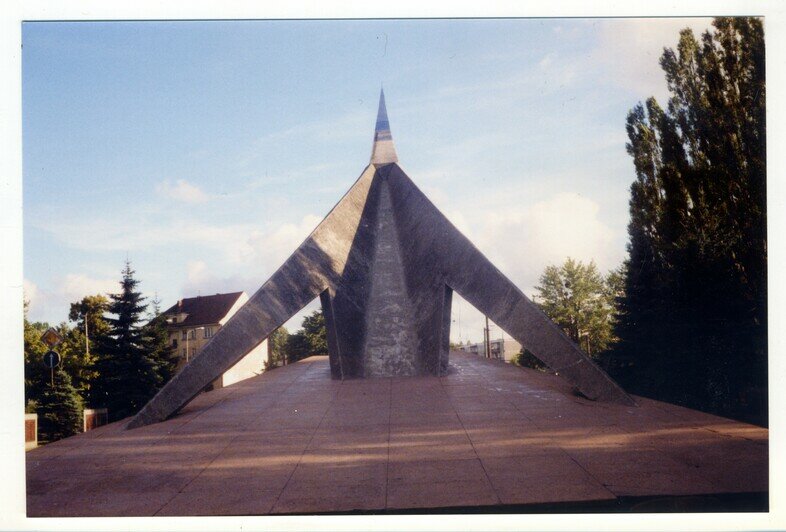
[486,435]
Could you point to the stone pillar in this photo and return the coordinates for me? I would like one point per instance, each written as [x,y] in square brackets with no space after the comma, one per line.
[31,431]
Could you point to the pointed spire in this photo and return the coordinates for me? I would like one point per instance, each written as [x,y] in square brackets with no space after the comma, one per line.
[383,151]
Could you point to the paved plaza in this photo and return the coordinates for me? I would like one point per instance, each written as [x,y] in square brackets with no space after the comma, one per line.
[486,435]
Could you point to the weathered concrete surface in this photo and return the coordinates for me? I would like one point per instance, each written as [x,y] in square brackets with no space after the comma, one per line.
[385,263]
[335,252]
[294,441]
[390,348]
[436,253]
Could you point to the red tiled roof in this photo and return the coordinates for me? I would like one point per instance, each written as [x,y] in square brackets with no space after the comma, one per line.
[203,310]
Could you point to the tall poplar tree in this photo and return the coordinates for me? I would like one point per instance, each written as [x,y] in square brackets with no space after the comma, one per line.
[694,313]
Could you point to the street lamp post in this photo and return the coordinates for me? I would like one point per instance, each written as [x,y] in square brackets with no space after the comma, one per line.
[487,339]
[188,333]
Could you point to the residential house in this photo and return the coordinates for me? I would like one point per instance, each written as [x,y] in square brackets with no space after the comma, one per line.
[501,349]
[193,321]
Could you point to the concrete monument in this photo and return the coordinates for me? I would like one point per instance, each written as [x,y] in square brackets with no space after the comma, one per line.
[385,263]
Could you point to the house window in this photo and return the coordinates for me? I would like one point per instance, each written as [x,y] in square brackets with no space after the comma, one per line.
[192,334]
[184,351]
[174,343]
[193,351]
[208,332]
[183,334]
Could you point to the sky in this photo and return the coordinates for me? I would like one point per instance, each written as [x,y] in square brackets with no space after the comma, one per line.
[205,152]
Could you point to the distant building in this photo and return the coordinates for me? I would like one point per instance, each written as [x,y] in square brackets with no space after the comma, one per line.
[193,321]
[500,349]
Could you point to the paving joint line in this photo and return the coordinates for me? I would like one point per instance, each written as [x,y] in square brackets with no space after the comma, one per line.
[474,450]
[308,444]
[387,462]
[515,407]
[229,443]
[196,476]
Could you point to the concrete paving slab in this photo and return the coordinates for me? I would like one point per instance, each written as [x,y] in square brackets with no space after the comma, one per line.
[321,498]
[436,471]
[393,444]
[528,490]
[253,500]
[404,494]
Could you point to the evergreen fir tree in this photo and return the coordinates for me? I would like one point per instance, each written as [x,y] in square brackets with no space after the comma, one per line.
[158,346]
[127,375]
[59,408]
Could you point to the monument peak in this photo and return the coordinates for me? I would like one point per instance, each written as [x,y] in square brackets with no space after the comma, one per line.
[383,151]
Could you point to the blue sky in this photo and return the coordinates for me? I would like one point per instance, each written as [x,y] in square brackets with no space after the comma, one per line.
[206,151]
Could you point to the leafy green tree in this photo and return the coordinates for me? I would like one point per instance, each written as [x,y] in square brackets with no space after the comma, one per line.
[59,408]
[316,333]
[78,347]
[278,347]
[298,347]
[694,316]
[75,360]
[88,314]
[127,373]
[578,299]
[310,340]
[36,375]
[526,359]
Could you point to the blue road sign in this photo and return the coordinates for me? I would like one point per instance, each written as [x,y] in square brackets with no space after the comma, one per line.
[52,359]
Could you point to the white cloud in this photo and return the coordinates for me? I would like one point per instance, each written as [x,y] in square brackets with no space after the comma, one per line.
[200,280]
[274,247]
[333,130]
[32,294]
[75,286]
[566,225]
[629,50]
[547,60]
[253,255]
[64,290]
[181,190]
[102,234]
[196,271]
[522,240]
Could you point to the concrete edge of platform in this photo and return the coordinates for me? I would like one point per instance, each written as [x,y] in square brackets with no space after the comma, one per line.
[746,502]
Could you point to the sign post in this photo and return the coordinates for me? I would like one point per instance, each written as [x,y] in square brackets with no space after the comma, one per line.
[52,358]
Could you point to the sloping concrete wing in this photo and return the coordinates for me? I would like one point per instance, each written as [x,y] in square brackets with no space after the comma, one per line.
[384,262]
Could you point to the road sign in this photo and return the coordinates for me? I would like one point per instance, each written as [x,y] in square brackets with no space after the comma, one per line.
[51,337]
[52,359]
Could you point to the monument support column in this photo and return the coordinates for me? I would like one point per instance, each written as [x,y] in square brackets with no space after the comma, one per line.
[384,263]
[334,350]
[444,343]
